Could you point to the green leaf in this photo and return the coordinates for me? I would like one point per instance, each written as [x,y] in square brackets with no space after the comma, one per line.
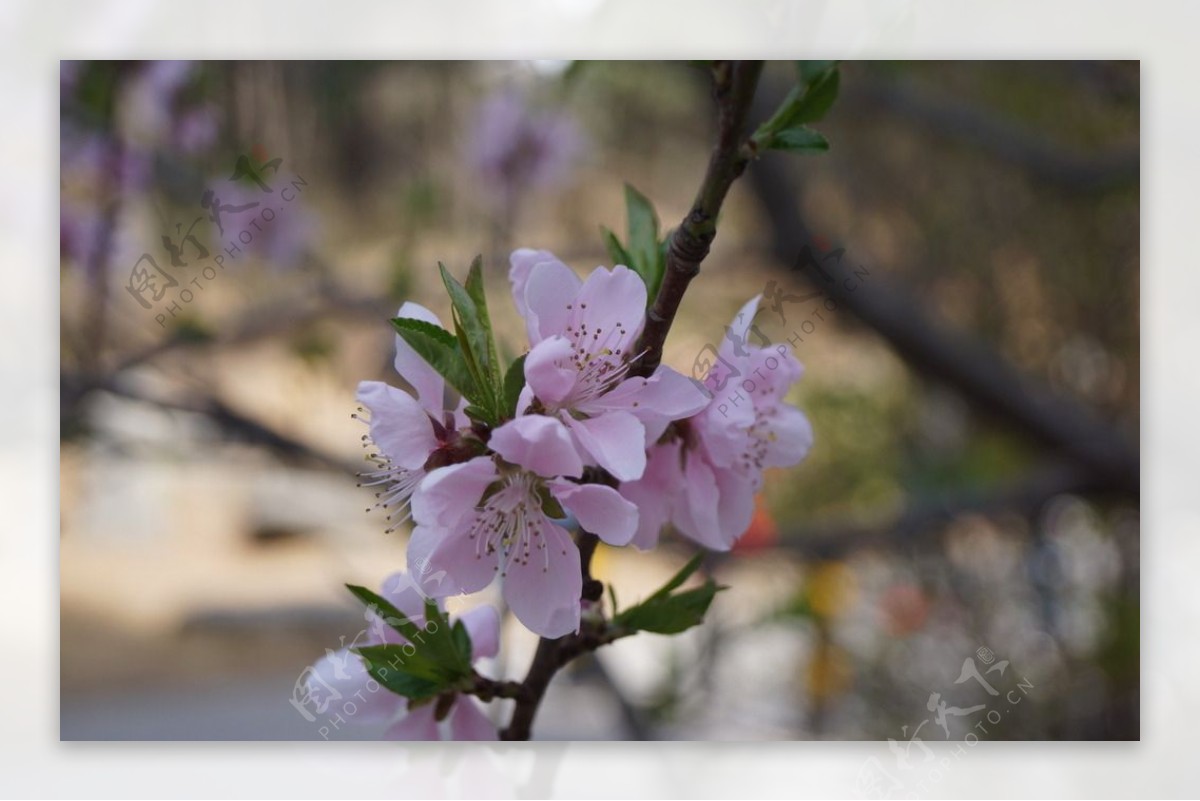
[475,339]
[676,581]
[616,251]
[435,658]
[798,139]
[387,665]
[643,242]
[440,349]
[474,287]
[514,382]
[808,101]
[667,613]
[818,98]
[386,609]
[807,71]
[462,637]
[672,614]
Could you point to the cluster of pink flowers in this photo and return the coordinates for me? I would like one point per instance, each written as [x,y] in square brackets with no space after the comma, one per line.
[493,504]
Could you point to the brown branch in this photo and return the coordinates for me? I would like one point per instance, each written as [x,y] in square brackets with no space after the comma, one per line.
[734,85]
[552,655]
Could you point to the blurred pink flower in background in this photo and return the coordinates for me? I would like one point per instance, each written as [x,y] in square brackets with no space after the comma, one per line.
[281,242]
[514,147]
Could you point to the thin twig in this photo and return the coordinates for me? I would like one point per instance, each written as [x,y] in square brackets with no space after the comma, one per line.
[734,85]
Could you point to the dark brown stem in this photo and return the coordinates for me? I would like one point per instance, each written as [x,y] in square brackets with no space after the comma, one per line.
[733,86]
[533,688]
[551,655]
[489,689]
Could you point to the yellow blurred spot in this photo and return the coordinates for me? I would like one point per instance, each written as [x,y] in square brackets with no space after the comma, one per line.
[601,562]
[831,589]
[828,673]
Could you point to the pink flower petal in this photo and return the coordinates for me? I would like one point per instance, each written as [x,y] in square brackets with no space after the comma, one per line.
[483,624]
[426,382]
[654,493]
[549,370]
[697,514]
[544,593]
[448,493]
[543,288]
[599,509]
[418,724]
[616,440]
[738,329]
[722,426]
[611,303]
[449,563]
[340,676]
[399,425]
[737,505]
[791,437]
[468,722]
[538,443]
[656,401]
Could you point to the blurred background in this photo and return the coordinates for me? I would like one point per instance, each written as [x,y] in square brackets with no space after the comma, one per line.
[965,532]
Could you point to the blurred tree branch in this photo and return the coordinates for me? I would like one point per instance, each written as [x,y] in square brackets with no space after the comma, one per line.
[970,366]
[922,523]
[1004,139]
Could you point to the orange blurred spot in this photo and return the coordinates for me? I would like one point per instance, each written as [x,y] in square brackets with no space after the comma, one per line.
[762,532]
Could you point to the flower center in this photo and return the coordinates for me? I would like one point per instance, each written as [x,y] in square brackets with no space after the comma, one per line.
[512,524]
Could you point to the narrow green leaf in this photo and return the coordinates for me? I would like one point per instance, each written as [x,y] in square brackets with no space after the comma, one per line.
[386,609]
[616,251]
[432,653]
[808,101]
[807,71]
[476,341]
[643,241]
[818,98]
[683,574]
[462,638]
[671,614]
[514,382]
[798,139]
[664,613]
[387,665]
[475,289]
[440,349]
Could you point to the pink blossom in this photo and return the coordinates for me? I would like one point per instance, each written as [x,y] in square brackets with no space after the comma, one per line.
[704,477]
[490,517]
[582,334]
[341,674]
[407,428]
